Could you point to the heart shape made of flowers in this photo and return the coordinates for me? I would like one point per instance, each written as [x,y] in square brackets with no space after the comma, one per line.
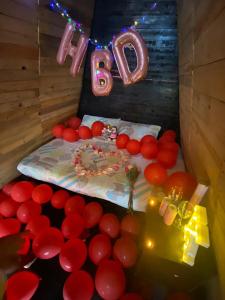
[101,154]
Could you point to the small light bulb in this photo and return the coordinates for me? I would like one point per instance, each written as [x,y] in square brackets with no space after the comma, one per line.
[135,23]
[152,203]
[150,244]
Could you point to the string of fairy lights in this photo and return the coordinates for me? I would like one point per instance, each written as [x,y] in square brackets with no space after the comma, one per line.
[63,11]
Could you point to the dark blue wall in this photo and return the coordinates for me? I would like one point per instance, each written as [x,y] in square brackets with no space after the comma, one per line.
[155,99]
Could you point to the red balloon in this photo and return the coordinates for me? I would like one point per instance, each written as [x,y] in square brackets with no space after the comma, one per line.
[122,140]
[37,224]
[57,130]
[110,281]
[7,188]
[148,139]
[182,182]
[149,150]
[25,247]
[170,133]
[166,139]
[133,147]
[125,250]
[8,207]
[28,210]
[130,226]
[97,128]
[74,122]
[59,199]
[73,255]
[92,214]
[70,135]
[179,296]
[99,248]
[172,146]
[42,193]
[21,285]
[85,132]
[48,243]
[75,204]
[110,225]
[155,174]
[73,226]
[167,158]
[131,296]
[22,191]
[3,196]
[78,286]
[9,226]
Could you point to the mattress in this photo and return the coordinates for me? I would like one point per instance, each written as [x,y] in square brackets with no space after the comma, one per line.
[53,163]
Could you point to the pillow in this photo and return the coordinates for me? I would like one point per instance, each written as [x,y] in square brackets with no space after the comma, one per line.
[137,131]
[89,120]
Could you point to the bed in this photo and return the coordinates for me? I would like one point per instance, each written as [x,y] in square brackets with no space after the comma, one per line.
[53,163]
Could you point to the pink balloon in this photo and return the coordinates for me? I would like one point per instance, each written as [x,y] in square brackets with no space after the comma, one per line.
[76,52]
[73,255]
[119,42]
[102,81]
[28,210]
[110,281]
[21,285]
[78,286]
[72,226]
[48,243]
[9,226]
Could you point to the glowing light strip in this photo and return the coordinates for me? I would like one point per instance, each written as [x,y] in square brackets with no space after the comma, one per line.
[63,11]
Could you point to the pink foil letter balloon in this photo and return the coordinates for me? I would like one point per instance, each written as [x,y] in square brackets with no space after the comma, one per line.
[102,81]
[119,43]
[76,52]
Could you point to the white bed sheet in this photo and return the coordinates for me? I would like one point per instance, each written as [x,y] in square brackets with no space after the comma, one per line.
[53,163]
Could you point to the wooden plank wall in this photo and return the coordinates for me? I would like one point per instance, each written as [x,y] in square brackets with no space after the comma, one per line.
[20,126]
[35,92]
[59,92]
[201,27]
[155,99]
